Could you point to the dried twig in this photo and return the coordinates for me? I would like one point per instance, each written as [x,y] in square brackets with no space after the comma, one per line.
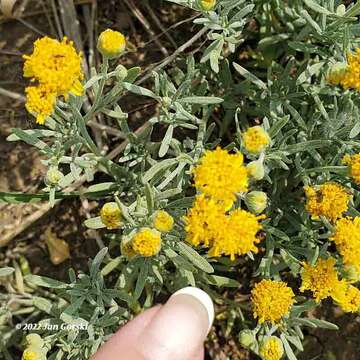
[137,13]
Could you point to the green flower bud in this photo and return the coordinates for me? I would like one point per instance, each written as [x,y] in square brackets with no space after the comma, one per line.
[256,170]
[247,339]
[256,201]
[351,274]
[337,73]
[271,348]
[341,10]
[53,176]
[121,72]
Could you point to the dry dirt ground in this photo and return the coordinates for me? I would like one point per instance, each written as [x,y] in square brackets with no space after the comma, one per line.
[22,227]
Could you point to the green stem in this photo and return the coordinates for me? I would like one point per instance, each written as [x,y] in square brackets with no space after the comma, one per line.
[98,95]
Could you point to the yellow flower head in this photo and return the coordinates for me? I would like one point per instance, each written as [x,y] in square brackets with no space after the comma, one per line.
[353,163]
[351,76]
[237,234]
[40,101]
[221,175]
[55,64]
[347,241]
[271,300]
[147,242]
[29,354]
[329,200]
[111,43]
[207,5]
[204,221]
[321,278]
[163,221]
[110,215]
[256,139]
[347,297]
[272,349]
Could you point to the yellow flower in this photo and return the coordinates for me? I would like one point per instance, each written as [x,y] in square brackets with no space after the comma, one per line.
[237,234]
[40,101]
[347,297]
[351,77]
[147,242]
[329,200]
[111,43]
[163,221]
[30,355]
[347,240]
[221,175]
[271,300]
[110,215]
[204,221]
[256,201]
[225,234]
[321,278]
[353,163]
[207,5]
[256,139]
[272,349]
[55,64]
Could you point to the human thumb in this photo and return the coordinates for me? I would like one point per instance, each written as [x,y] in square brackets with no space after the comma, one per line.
[174,331]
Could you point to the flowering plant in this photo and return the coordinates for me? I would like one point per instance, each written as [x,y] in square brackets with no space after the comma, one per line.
[257,166]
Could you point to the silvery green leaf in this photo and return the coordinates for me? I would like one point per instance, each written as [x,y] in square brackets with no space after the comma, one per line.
[31,139]
[141,279]
[201,100]
[6,271]
[316,7]
[94,223]
[311,21]
[34,133]
[198,260]
[43,281]
[289,352]
[249,76]
[159,166]
[132,74]
[166,141]
[140,90]
[222,281]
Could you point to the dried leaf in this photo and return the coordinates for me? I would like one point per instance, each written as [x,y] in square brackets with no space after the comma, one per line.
[58,248]
[7,6]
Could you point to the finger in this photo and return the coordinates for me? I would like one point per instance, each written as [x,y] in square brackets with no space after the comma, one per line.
[173,331]
[128,334]
[179,328]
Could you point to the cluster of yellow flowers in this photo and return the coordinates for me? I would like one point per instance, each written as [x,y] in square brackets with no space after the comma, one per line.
[329,200]
[347,240]
[55,67]
[353,163]
[347,75]
[322,279]
[219,176]
[147,241]
[271,300]
[272,349]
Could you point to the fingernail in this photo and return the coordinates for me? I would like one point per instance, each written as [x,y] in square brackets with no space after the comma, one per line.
[179,328]
[203,298]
